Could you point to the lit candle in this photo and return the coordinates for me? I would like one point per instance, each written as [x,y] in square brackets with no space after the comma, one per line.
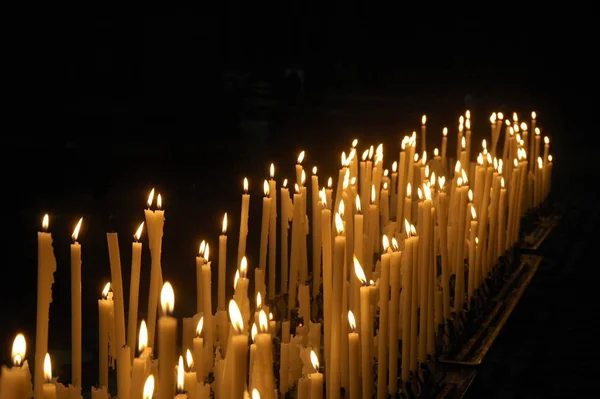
[373,233]
[149,387]
[327,274]
[189,378]
[316,233]
[141,364]
[402,180]
[394,272]
[264,350]
[134,288]
[243,222]
[394,193]
[207,295]
[385,205]
[272,232]
[46,269]
[408,204]
[336,308]
[468,139]
[297,236]
[198,344]
[359,239]
[76,307]
[548,176]
[117,287]
[459,293]
[199,285]
[472,264]
[15,382]
[238,350]
[264,230]
[286,217]
[407,288]
[501,233]
[316,378]
[222,263]
[444,148]
[384,312]
[425,275]
[167,339]
[105,310]
[365,332]
[443,229]
[49,388]
[354,351]
[424,133]
[181,393]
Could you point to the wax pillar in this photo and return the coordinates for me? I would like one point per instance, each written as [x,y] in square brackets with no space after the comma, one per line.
[134,289]
[167,339]
[76,308]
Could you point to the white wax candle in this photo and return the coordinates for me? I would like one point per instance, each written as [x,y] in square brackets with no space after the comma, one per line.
[393,191]
[402,181]
[189,379]
[198,347]
[243,222]
[264,349]
[199,285]
[141,364]
[414,298]
[272,234]
[424,133]
[208,318]
[459,292]
[286,216]
[407,289]
[365,332]
[167,339]
[49,387]
[359,239]
[316,378]
[76,307]
[222,265]
[15,382]
[105,309]
[284,371]
[117,287]
[336,308]
[327,276]
[384,323]
[472,264]
[238,354]
[443,229]
[304,303]
[134,289]
[124,372]
[354,351]
[264,228]
[425,275]
[501,233]
[303,388]
[316,233]
[444,148]
[297,236]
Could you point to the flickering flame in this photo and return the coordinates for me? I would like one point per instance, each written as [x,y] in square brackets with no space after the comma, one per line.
[395,167]
[149,387]
[427,171]
[353,181]
[488,157]
[441,182]
[427,190]
[408,190]
[270,316]
[523,126]
[263,322]
[373,194]
[515,162]
[329,182]
[237,321]
[371,152]
[432,179]
[341,208]
[343,159]
[303,177]
[540,162]
[547,140]
[416,158]
[424,158]
[167,298]
[385,242]
[500,166]
[272,171]
[511,131]
[468,124]
[314,360]
[354,143]
[285,183]
[138,232]
[404,142]
[45,222]
[518,138]
[473,213]
[323,197]
[200,326]
[189,359]
[461,127]
[351,321]
[419,193]
[150,198]
[206,253]
[346,180]
[386,172]
[47,368]
[180,374]
[463,142]
[202,248]
[461,119]
[243,267]
[106,290]
[436,152]
[255,394]
[406,226]
[516,127]
[395,246]
[296,188]
[358,270]
[459,182]
[19,349]
[266,188]
[245,184]
[413,230]
[445,131]
[258,300]
[493,118]
[537,131]
[358,207]
[159,201]
[457,167]
[468,114]
[515,117]
[339,224]
[464,176]
[470,195]
[549,158]
[533,115]
[479,159]
[300,157]
[314,170]
[385,185]
[253,332]
[224,225]
[143,337]
[502,182]
[365,154]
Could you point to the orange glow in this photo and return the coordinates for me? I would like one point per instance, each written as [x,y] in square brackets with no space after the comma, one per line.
[351,321]
[77,228]
[237,321]
[150,198]
[245,185]
[300,157]
[272,171]
[138,232]
[19,348]
[45,222]
[167,298]
[358,270]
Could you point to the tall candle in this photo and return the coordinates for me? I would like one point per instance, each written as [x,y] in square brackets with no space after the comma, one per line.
[443,229]
[394,282]
[272,233]
[238,350]
[167,339]
[284,364]
[354,351]
[394,192]
[501,233]
[46,269]
[208,316]
[327,275]
[365,332]
[459,294]
[105,309]
[297,236]
[424,133]
[264,348]
[359,239]
[180,384]
[264,228]
[316,233]
[408,204]
[49,388]
[316,378]
[407,289]
[384,313]
[124,372]
[385,205]
[141,364]
[199,284]
[134,288]
[472,264]
[336,308]
[243,222]
[425,275]
[76,307]
[444,149]
[414,298]
[117,286]
[286,217]
[15,382]
[222,264]
[198,345]
[189,378]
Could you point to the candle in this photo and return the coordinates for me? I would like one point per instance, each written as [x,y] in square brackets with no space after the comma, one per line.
[354,351]
[394,193]
[327,274]
[124,372]
[444,148]
[394,272]
[383,333]
[424,133]
[264,228]
[365,332]
[443,229]
[408,204]
[141,364]
[336,308]
[237,353]
[385,205]
[264,349]
[134,288]
[99,393]
[49,388]
[359,240]
[199,286]
[222,264]
[198,346]
[46,269]
[167,338]
[15,382]
[207,300]
[286,217]
[472,264]
[272,232]
[284,368]
[189,378]
[425,275]
[243,222]
[316,233]
[407,288]
[149,387]
[297,236]
[501,233]
[316,378]
[105,311]
[76,307]
[117,287]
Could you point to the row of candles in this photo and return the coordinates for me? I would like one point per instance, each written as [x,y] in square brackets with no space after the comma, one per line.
[382,259]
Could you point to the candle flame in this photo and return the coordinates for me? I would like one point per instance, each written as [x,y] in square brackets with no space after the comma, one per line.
[285,183]
[441,182]
[149,387]
[515,162]
[427,171]
[407,227]
[473,213]
[341,208]
[258,300]
[424,158]
[433,179]
[47,368]
[394,166]
[371,152]
[408,190]
[45,222]
[255,394]
[76,230]
[224,225]
[533,115]
[353,181]
[549,158]
[19,348]
[314,170]
[243,267]
[470,195]
[463,142]
[493,118]
[150,198]
[354,143]
[413,230]
[330,182]
[351,321]
[270,315]
[253,332]
[159,201]
[502,182]
[385,242]
[436,152]
[323,197]
[266,188]
[206,253]
[546,140]
[386,172]
[303,177]
[515,117]
[314,360]
[500,115]
[301,157]
[537,131]
[263,322]
[272,171]
[180,374]
[358,270]
[373,194]
[245,184]
[346,180]
[296,188]
[200,326]
[540,162]
[167,298]
[459,182]
[395,244]
[339,224]
[461,119]
[468,114]
[143,337]
[445,131]
[405,141]
[500,166]
[358,207]
[202,248]
[385,185]
[423,119]
[516,127]
[106,290]
[523,126]
[427,190]
[457,167]
[189,359]
[488,157]
[365,154]
[138,232]
[464,176]
[237,321]
[468,124]
[419,193]
[343,159]
[416,158]
[480,159]
[236,278]
[461,127]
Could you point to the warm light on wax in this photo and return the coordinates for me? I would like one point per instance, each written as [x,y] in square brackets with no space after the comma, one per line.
[47,369]
[224,225]
[180,375]
[143,337]
[149,387]
[76,230]
[237,321]
[19,348]
[167,298]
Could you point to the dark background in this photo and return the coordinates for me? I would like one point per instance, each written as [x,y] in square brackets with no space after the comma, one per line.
[102,106]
